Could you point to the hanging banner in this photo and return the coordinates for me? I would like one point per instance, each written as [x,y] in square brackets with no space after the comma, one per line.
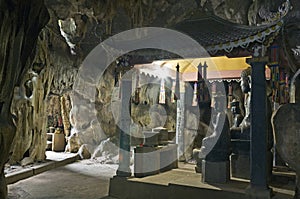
[213,93]
[173,92]
[136,87]
[229,95]
[162,93]
[195,98]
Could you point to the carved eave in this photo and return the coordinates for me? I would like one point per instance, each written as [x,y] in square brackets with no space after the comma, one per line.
[216,34]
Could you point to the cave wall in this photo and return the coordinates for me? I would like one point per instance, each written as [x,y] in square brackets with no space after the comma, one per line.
[36,84]
[18,37]
[74,30]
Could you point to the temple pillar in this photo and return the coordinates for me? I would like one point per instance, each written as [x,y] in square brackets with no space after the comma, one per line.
[258,188]
[124,124]
[179,96]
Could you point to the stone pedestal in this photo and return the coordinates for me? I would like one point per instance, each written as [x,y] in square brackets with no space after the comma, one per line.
[124,131]
[168,157]
[240,159]
[240,166]
[162,135]
[146,161]
[150,138]
[198,167]
[152,160]
[215,172]
[172,136]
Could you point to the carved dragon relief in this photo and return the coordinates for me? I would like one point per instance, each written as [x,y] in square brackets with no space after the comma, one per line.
[259,13]
[269,17]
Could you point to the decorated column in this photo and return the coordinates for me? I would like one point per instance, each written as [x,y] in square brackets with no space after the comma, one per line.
[258,131]
[179,96]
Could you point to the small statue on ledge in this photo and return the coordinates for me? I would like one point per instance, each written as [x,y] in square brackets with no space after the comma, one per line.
[237,116]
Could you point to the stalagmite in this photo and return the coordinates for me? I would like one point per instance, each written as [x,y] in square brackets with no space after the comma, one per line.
[65,111]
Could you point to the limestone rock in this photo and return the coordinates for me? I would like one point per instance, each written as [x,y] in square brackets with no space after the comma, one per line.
[83,152]
[286,125]
[17,44]
[23,111]
[107,150]
[26,161]
[73,143]
[65,111]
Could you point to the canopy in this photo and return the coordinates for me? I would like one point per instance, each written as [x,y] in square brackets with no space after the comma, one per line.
[218,68]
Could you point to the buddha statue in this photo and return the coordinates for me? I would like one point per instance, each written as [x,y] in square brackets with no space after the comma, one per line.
[237,116]
[242,131]
[240,134]
[215,146]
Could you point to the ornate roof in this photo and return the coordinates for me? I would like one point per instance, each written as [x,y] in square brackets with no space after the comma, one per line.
[216,34]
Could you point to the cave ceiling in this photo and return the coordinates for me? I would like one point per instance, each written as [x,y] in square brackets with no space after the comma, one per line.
[76,27]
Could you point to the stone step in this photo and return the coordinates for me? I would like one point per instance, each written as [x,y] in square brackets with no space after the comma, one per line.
[283,174]
[14,177]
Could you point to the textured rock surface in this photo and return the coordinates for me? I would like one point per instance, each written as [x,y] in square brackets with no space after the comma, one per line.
[74,29]
[18,36]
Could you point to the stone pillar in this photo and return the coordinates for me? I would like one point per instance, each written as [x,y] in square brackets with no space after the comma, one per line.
[180,128]
[124,124]
[258,188]
[179,93]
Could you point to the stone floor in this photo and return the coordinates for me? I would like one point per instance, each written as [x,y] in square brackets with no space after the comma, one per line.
[182,182]
[90,179]
[86,179]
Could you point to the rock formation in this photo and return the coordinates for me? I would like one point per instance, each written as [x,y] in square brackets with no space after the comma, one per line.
[73,30]
[286,124]
[17,46]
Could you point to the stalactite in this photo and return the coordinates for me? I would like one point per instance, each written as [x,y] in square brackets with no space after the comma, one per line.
[22,110]
[39,103]
[109,13]
[65,111]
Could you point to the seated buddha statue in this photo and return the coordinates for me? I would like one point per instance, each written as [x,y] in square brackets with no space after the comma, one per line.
[243,130]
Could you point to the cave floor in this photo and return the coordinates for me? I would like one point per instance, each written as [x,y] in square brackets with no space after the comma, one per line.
[86,179]
[90,179]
